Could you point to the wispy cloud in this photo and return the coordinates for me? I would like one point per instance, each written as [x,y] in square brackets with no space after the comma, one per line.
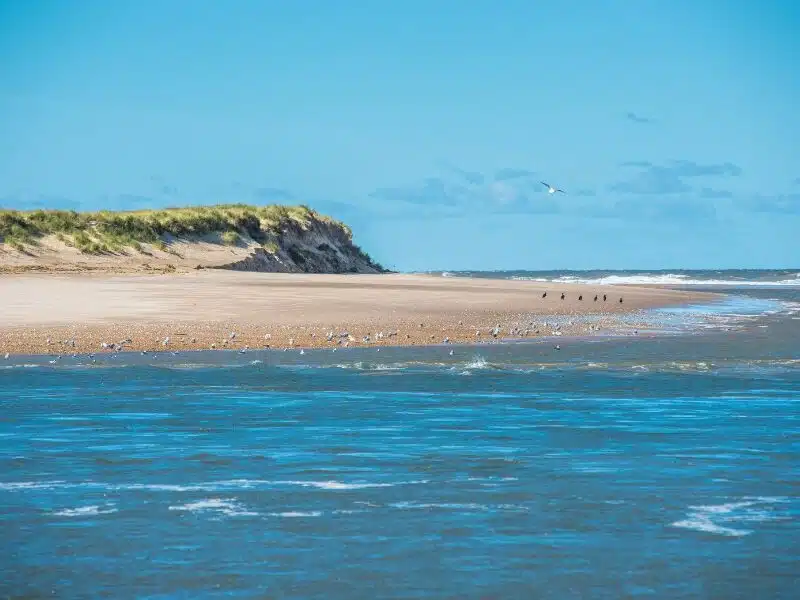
[779,203]
[471,177]
[689,168]
[512,173]
[714,194]
[634,118]
[669,178]
[510,191]
[432,191]
[670,208]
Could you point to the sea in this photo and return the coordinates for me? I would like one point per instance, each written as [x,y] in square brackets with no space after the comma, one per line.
[658,464]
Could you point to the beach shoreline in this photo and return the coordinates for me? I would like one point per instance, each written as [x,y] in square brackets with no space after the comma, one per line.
[56,314]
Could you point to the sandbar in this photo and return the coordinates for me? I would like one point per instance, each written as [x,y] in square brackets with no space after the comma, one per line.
[85,313]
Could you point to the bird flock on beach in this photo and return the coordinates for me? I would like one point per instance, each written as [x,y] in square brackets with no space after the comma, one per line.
[342,339]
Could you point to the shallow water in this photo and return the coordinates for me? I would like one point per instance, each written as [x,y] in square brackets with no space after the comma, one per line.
[643,466]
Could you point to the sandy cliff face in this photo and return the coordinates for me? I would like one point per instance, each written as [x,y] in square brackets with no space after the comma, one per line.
[315,245]
[320,247]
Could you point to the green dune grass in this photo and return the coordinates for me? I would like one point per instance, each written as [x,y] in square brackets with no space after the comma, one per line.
[109,232]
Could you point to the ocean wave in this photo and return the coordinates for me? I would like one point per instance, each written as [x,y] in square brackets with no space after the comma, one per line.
[672,279]
[85,511]
[340,485]
[720,519]
[458,506]
[213,486]
[297,514]
[229,507]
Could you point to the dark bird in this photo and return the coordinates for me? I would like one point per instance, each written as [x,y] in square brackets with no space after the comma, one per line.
[620,300]
[604,297]
[580,297]
[544,295]
[562,296]
[595,298]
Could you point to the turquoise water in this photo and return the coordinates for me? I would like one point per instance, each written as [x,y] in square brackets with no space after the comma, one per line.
[652,467]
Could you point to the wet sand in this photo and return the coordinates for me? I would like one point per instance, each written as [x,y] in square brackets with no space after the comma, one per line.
[55,314]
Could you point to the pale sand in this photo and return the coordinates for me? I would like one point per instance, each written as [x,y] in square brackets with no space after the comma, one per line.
[200,309]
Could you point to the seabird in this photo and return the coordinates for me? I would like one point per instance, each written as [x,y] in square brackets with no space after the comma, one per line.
[551,189]
[580,297]
[620,300]
[562,296]
[595,298]
[604,297]
[544,295]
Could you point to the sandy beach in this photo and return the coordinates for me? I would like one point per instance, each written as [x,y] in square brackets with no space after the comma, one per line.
[59,314]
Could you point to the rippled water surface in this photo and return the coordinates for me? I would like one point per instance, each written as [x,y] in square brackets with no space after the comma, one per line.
[659,467]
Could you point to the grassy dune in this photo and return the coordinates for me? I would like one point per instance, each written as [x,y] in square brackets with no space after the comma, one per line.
[107,232]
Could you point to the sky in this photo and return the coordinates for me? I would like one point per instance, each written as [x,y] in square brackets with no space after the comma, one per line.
[426,125]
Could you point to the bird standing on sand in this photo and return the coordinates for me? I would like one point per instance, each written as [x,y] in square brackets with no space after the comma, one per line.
[544,295]
[595,298]
[551,189]
[620,300]
[604,297]
[562,296]
[580,297]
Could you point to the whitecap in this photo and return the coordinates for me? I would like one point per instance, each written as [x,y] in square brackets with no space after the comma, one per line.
[30,485]
[721,518]
[477,362]
[297,514]
[85,511]
[227,506]
[340,485]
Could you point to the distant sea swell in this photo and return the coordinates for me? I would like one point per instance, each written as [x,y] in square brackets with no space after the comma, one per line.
[675,277]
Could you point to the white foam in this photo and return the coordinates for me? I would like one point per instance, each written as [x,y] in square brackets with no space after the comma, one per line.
[229,507]
[664,279]
[469,506]
[85,511]
[211,486]
[476,363]
[718,518]
[340,485]
[11,486]
[297,514]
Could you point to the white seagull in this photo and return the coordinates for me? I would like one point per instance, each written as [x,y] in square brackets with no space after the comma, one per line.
[551,189]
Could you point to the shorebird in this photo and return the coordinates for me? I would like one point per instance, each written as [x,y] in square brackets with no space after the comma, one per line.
[580,297]
[562,296]
[544,295]
[551,189]
[595,298]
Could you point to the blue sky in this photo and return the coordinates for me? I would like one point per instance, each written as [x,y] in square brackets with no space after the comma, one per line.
[425,124]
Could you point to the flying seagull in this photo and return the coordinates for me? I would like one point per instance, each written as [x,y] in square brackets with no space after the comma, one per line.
[551,189]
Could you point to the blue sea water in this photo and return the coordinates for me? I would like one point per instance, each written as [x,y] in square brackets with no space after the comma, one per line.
[647,466]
